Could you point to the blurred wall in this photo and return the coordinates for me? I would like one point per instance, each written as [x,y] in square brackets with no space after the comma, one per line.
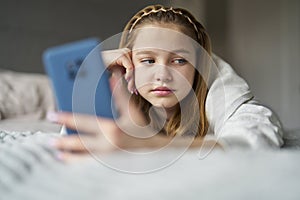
[196,7]
[27,27]
[261,40]
[263,44]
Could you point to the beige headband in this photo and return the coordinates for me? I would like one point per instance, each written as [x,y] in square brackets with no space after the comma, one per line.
[164,10]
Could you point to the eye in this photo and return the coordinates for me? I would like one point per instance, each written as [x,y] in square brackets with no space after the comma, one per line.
[179,61]
[148,61]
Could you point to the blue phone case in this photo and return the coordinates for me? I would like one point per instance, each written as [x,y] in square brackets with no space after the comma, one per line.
[79,78]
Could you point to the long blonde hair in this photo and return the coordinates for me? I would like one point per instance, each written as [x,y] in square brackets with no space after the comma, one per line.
[191,123]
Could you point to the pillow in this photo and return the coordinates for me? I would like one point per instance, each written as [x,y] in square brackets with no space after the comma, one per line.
[25,95]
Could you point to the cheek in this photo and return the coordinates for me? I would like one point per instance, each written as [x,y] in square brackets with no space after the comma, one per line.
[142,77]
[191,76]
[185,83]
[186,77]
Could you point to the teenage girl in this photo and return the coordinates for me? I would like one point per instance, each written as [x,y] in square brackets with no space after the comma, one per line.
[167,83]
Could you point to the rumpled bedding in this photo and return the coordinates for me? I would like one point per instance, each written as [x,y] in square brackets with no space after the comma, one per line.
[24,95]
[29,169]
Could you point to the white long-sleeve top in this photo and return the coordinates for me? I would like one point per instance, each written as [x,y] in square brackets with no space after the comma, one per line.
[235,118]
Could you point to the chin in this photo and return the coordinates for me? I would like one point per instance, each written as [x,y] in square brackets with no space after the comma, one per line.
[165,105]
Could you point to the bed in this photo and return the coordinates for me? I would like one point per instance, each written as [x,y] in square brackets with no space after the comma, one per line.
[29,168]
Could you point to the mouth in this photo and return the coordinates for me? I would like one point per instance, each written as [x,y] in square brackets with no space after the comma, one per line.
[162,91]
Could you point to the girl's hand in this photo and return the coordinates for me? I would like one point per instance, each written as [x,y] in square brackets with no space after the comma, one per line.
[96,135]
[99,135]
[119,62]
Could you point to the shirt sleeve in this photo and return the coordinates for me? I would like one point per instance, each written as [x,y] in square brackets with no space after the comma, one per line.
[235,118]
[252,125]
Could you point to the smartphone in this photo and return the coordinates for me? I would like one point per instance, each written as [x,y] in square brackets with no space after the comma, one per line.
[79,78]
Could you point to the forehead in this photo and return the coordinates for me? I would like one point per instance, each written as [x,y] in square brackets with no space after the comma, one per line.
[162,38]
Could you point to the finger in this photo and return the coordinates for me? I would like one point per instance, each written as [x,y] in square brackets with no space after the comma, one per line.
[110,56]
[82,123]
[120,94]
[115,59]
[68,157]
[92,125]
[126,62]
[79,144]
[117,71]
[69,143]
[131,87]
[128,75]
[130,63]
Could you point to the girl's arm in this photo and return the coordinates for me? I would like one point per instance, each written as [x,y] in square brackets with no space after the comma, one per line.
[235,118]
[252,125]
[98,135]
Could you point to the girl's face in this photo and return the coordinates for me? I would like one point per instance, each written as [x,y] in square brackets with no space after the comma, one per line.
[164,62]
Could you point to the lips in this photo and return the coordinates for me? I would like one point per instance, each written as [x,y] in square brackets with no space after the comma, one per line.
[162,91]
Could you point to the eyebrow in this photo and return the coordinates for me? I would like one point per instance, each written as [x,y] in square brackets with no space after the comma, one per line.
[145,52]
[177,51]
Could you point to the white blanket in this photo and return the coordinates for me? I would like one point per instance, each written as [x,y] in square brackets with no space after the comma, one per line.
[29,170]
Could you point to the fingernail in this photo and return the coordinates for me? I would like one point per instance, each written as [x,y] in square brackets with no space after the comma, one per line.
[52,116]
[52,142]
[60,156]
[128,79]
[136,92]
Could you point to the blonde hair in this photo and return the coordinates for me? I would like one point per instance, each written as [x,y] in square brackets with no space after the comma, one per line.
[191,123]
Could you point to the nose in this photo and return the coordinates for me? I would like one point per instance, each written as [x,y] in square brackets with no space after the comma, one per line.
[163,74]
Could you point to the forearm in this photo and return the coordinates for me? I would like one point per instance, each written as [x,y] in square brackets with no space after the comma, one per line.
[160,141]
